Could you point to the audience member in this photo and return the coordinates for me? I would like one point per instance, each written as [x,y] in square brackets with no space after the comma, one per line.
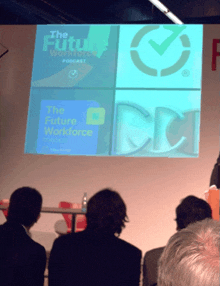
[215,176]
[191,209]
[96,256]
[191,256]
[22,260]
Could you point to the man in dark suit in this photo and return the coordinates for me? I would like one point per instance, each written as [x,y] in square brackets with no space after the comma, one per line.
[95,256]
[215,176]
[190,210]
[22,260]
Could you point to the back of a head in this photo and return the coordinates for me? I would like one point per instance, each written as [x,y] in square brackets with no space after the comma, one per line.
[191,256]
[25,206]
[106,212]
[190,210]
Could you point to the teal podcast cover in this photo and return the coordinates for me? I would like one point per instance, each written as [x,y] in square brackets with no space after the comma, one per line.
[74,56]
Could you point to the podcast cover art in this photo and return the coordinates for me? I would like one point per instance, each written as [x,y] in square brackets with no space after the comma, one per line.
[74,56]
[69,127]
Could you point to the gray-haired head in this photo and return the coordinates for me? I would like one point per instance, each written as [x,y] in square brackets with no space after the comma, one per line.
[191,256]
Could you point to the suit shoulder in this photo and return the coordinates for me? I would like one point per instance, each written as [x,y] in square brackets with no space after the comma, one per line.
[1,231]
[35,247]
[128,246]
[68,238]
[38,246]
[2,227]
[154,252]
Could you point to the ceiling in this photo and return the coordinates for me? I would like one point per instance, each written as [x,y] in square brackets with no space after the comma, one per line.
[104,11]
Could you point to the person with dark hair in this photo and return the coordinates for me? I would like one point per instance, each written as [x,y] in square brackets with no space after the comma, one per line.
[22,260]
[215,176]
[190,210]
[106,211]
[97,256]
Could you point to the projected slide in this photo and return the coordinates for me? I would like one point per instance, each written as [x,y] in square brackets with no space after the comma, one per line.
[116,90]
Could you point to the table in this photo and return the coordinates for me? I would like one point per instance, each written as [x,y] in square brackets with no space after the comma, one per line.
[74,212]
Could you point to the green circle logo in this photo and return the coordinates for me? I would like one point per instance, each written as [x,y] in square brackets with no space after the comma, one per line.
[160,49]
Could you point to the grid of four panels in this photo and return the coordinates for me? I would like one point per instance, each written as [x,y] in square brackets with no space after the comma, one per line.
[116,90]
